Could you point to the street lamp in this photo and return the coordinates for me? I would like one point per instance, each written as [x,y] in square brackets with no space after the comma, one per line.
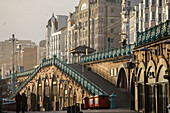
[145,79]
[83,64]
[13,39]
[127,10]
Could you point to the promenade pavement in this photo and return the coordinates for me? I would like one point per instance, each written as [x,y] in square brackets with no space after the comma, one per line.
[90,111]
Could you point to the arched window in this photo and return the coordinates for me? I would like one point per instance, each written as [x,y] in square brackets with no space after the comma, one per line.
[83,7]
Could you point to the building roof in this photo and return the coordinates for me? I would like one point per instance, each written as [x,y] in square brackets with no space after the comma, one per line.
[53,19]
[63,28]
[82,49]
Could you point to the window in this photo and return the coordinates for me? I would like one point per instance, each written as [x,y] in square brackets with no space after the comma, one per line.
[160,3]
[153,2]
[137,14]
[80,16]
[86,23]
[160,18]
[112,30]
[141,13]
[129,3]
[152,15]
[86,14]
[146,17]
[146,3]
[114,72]
[112,20]
[137,26]
[112,10]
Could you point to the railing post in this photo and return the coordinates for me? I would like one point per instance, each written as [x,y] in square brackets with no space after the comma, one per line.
[154,37]
[120,51]
[124,53]
[115,55]
[54,59]
[100,55]
[108,51]
[160,29]
[94,57]
[112,53]
[104,54]
[129,52]
[43,60]
[150,35]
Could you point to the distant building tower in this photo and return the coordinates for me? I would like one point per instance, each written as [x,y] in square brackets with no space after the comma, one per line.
[55,24]
[51,27]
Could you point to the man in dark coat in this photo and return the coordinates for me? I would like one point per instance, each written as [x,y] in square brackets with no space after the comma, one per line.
[24,102]
[18,102]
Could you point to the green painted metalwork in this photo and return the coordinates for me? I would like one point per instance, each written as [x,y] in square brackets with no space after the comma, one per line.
[115,55]
[126,50]
[159,31]
[124,53]
[84,82]
[113,101]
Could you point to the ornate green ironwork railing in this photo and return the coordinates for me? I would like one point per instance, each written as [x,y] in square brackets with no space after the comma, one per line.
[26,81]
[84,82]
[158,31]
[121,51]
[20,74]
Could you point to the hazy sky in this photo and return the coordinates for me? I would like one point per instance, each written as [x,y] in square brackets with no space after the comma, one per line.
[27,18]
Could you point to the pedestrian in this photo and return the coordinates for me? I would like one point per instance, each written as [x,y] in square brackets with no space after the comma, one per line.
[24,102]
[18,102]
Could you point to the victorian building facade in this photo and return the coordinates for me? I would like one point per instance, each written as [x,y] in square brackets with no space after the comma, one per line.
[140,15]
[71,41]
[55,34]
[98,23]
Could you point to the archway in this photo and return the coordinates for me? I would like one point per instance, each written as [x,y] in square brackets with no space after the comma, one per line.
[70,95]
[151,70]
[29,98]
[162,86]
[46,102]
[132,90]
[54,92]
[33,98]
[122,80]
[141,90]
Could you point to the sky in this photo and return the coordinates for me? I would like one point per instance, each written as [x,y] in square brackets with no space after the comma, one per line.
[27,18]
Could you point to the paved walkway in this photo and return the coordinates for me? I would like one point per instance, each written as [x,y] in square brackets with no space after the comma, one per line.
[90,111]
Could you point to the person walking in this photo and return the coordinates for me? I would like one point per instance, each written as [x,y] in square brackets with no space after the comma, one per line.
[24,102]
[18,102]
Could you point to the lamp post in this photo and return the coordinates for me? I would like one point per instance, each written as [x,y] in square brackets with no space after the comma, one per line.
[127,10]
[89,24]
[145,80]
[80,28]
[13,39]
[82,69]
